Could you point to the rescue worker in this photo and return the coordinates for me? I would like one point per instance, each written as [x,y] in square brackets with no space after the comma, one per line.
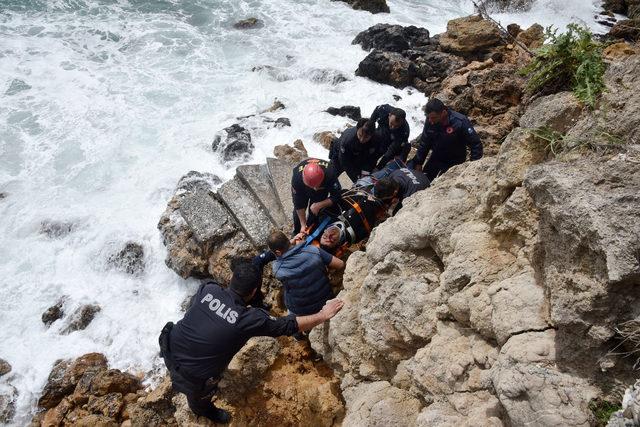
[198,348]
[356,150]
[314,186]
[400,184]
[392,133]
[302,269]
[447,134]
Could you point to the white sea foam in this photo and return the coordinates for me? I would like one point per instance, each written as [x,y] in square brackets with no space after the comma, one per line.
[122,98]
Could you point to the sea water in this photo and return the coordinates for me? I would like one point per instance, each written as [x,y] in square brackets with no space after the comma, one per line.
[104,105]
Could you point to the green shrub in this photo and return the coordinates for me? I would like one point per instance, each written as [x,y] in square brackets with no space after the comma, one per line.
[603,410]
[571,60]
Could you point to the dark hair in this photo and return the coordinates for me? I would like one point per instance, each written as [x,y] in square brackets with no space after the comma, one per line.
[385,188]
[435,106]
[246,278]
[399,113]
[368,127]
[278,241]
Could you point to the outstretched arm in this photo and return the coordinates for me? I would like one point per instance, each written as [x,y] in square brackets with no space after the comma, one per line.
[330,309]
[472,140]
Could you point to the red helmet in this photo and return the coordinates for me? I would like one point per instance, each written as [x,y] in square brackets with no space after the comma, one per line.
[312,175]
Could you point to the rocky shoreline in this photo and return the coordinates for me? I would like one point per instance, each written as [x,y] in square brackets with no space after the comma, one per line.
[492,298]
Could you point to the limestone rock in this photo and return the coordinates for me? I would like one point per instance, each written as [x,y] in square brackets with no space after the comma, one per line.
[558,112]
[326,75]
[282,122]
[65,375]
[5,367]
[392,38]
[387,67]
[94,420]
[470,35]
[345,111]
[628,29]
[532,37]
[619,51]
[156,408]
[108,405]
[373,6]
[380,404]
[629,415]
[257,179]
[130,259]
[532,389]
[290,154]
[81,318]
[237,144]
[277,105]
[479,408]
[114,381]
[53,313]
[248,23]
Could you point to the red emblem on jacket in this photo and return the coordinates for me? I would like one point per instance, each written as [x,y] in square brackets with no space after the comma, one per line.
[450,130]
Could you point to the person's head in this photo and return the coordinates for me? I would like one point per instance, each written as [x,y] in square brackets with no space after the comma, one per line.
[313,175]
[397,117]
[278,243]
[386,189]
[333,235]
[365,130]
[245,280]
[436,112]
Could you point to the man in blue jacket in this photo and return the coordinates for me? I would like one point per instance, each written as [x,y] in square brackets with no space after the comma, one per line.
[302,269]
[447,134]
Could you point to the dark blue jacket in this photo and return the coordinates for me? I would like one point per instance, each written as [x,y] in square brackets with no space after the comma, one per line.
[394,142]
[303,273]
[449,143]
[354,157]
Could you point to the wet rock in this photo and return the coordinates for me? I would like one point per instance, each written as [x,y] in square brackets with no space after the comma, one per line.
[628,29]
[435,66]
[236,146]
[56,229]
[197,181]
[248,23]
[8,396]
[289,153]
[507,5]
[3,196]
[5,367]
[282,122]
[130,259]
[108,405]
[373,6]
[324,138]
[470,35]
[615,6]
[392,38]
[114,381]
[532,37]
[156,408]
[388,67]
[326,75]
[81,318]
[17,86]
[65,375]
[345,111]
[54,312]
[277,105]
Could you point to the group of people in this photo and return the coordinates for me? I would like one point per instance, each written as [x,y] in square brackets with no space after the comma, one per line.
[326,220]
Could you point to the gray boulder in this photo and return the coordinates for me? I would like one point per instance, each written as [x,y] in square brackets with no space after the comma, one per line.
[236,145]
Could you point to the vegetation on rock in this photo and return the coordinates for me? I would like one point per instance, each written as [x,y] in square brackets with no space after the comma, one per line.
[569,60]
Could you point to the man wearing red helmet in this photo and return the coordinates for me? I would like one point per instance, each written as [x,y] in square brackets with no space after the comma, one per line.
[314,186]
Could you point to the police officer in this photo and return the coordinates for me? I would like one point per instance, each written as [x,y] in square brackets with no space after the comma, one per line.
[447,134]
[400,184]
[198,348]
[392,133]
[314,185]
[356,150]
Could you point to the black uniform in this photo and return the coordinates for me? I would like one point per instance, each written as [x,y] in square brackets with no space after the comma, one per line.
[199,347]
[448,145]
[304,196]
[395,142]
[353,157]
[410,181]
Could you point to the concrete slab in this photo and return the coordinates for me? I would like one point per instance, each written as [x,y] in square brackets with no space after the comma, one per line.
[280,172]
[206,217]
[247,211]
[256,178]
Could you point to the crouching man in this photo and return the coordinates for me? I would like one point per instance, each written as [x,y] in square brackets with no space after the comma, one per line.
[198,348]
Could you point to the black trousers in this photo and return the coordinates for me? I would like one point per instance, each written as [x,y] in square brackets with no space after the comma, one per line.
[435,167]
[199,391]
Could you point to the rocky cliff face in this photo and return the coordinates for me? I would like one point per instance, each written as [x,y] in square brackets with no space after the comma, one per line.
[493,297]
